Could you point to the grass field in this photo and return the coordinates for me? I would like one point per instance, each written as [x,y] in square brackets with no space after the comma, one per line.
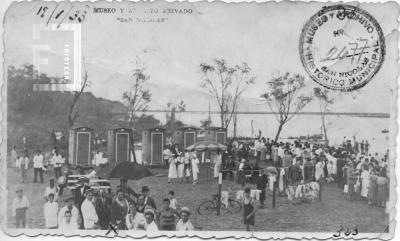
[325,216]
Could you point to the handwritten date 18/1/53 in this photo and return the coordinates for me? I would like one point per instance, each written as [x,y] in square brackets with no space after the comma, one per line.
[61,13]
[354,50]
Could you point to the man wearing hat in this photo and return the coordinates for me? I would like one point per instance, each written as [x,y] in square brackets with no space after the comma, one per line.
[184,223]
[89,214]
[148,201]
[150,225]
[20,206]
[80,190]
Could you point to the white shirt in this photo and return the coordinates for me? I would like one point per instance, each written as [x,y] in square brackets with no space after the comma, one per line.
[181,226]
[56,161]
[19,203]
[38,161]
[24,163]
[89,214]
[49,190]
[74,212]
[173,203]
[281,152]
[50,214]
[134,224]
[151,227]
[68,227]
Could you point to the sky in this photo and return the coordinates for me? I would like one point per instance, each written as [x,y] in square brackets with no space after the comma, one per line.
[265,36]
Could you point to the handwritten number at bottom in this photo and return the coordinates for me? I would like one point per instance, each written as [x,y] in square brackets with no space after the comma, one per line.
[347,233]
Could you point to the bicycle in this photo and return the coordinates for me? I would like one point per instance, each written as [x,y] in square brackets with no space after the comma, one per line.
[209,206]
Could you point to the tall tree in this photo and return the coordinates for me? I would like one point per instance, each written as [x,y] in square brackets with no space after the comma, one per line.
[226,84]
[323,100]
[138,97]
[284,99]
[73,110]
[181,108]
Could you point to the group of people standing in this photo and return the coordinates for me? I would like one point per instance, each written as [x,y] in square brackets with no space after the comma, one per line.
[181,165]
[93,209]
[24,161]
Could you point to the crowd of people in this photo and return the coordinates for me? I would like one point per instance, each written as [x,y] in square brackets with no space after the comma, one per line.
[92,209]
[361,174]
[295,169]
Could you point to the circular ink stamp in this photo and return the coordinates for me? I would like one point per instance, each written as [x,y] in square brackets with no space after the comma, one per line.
[342,47]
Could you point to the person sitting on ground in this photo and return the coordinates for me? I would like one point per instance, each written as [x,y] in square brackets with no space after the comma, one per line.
[134,219]
[184,224]
[150,225]
[75,215]
[67,223]
[166,216]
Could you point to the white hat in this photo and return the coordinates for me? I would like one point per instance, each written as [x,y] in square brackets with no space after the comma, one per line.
[149,211]
[185,209]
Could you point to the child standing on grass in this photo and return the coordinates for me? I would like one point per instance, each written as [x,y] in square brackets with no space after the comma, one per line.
[24,167]
[249,211]
[20,207]
[172,199]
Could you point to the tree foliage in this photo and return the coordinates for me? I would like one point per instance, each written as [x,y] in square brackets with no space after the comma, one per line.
[226,84]
[138,97]
[323,100]
[284,98]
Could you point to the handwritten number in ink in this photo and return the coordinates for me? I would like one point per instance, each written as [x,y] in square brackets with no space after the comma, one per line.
[42,10]
[74,16]
[355,231]
[339,231]
[82,17]
[59,14]
[348,232]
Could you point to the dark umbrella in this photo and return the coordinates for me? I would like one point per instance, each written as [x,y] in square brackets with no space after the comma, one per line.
[206,146]
[124,170]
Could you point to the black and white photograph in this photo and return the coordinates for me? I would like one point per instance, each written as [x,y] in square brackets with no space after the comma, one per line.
[207,119]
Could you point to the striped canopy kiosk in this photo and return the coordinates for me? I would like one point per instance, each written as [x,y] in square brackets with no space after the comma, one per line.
[206,146]
[203,146]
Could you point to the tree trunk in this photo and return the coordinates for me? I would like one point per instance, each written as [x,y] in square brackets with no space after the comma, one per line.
[234,125]
[324,129]
[222,119]
[279,131]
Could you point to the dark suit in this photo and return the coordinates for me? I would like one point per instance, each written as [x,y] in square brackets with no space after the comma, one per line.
[79,197]
[102,206]
[150,202]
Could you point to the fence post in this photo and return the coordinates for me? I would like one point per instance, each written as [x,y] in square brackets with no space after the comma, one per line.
[273,195]
[320,190]
[219,193]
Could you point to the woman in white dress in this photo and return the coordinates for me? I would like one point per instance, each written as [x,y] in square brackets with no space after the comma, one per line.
[172,174]
[319,170]
[365,176]
[181,167]
[195,167]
